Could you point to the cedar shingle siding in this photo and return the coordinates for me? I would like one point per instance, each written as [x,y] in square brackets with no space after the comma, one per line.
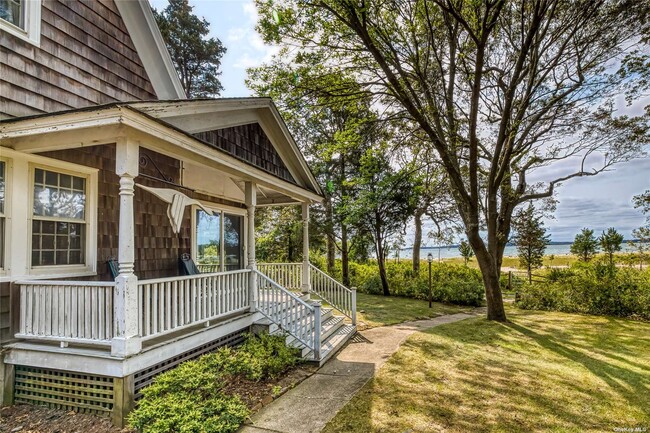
[248,143]
[86,57]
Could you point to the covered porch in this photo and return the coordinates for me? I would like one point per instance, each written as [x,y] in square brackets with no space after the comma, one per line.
[139,185]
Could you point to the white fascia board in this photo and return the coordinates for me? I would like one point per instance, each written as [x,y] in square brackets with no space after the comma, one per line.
[149,43]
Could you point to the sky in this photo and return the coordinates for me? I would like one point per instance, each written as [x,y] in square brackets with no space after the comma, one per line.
[597,202]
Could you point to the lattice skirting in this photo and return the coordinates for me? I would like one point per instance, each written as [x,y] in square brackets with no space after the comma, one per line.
[145,377]
[64,390]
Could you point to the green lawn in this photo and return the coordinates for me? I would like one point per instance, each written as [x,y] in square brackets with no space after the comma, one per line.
[543,372]
[377,310]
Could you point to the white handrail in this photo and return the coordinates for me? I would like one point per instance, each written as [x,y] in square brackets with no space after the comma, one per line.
[67,311]
[288,275]
[171,304]
[289,312]
[334,293]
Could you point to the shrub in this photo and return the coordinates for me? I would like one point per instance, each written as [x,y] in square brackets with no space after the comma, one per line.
[591,289]
[455,284]
[193,397]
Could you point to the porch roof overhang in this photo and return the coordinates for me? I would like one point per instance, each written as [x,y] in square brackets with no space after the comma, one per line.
[156,126]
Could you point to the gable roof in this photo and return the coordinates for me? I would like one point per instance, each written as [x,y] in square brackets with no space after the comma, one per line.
[149,43]
[187,117]
[200,115]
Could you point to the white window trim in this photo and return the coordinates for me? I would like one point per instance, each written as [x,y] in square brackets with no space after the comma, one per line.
[221,209]
[90,266]
[7,216]
[32,31]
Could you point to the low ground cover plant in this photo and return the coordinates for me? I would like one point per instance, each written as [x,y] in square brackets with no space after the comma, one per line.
[591,288]
[197,396]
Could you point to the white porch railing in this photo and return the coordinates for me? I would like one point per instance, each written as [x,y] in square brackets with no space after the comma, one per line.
[293,315]
[334,293]
[288,275]
[67,311]
[170,304]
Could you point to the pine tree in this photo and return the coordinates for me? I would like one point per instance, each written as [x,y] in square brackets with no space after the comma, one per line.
[197,59]
[530,238]
[465,251]
[611,241]
[585,245]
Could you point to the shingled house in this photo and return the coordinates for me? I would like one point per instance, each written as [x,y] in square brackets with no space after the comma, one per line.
[127,235]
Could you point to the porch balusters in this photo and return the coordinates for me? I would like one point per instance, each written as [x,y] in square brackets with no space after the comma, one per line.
[127,340]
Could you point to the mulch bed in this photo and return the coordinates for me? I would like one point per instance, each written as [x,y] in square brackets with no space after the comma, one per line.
[22,418]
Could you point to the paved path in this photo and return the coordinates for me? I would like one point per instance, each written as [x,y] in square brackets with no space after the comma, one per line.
[311,404]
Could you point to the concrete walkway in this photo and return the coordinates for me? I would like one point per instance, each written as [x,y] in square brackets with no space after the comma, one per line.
[311,404]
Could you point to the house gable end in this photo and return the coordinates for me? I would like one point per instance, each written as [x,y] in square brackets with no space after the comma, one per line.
[250,144]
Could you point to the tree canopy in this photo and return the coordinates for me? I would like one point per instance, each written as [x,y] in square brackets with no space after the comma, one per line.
[530,238]
[585,245]
[497,89]
[197,59]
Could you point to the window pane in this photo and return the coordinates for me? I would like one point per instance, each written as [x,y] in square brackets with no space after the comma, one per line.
[2,187]
[57,243]
[233,239]
[12,11]
[208,241]
[59,195]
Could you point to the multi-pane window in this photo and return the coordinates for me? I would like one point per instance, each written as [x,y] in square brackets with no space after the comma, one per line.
[13,12]
[219,241]
[59,219]
[2,211]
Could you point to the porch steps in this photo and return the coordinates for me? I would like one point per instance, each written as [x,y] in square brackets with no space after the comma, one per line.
[335,332]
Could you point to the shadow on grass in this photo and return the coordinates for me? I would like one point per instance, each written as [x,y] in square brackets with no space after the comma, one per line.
[541,372]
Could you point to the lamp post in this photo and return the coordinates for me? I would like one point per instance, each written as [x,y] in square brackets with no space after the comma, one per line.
[430,260]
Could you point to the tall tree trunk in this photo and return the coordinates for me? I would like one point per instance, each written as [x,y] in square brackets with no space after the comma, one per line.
[417,240]
[381,261]
[345,252]
[331,240]
[490,271]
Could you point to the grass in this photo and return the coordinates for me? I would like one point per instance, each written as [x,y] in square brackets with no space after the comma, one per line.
[543,372]
[513,262]
[377,310]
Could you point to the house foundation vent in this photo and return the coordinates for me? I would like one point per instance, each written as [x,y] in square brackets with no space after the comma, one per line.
[64,390]
[145,377]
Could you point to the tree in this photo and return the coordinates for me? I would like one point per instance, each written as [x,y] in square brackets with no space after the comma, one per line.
[383,205]
[496,88]
[530,238]
[585,245]
[642,202]
[610,241]
[642,244]
[465,251]
[197,59]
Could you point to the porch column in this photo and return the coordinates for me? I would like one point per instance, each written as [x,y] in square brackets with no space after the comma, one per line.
[306,285]
[250,197]
[127,339]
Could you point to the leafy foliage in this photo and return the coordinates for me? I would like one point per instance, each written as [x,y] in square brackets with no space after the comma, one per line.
[495,90]
[585,245]
[192,397]
[454,284]
[591,289]
[197,59]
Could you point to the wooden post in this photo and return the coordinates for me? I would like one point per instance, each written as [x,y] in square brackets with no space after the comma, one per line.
[306,285]
[127,340]
[8,373]
[123,399]
[354,305]
[317,330]
[250,197]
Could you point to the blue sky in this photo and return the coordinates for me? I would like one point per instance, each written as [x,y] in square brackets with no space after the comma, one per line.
[599,202]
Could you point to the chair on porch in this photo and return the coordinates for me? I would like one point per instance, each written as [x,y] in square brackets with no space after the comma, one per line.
[187,265]
[113,267]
